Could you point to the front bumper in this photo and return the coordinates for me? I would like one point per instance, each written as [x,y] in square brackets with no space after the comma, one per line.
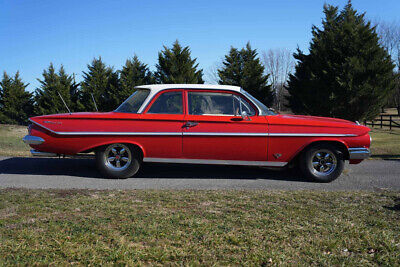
[32,140]
[359,153]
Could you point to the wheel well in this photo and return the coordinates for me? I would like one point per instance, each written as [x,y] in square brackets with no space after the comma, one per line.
[338,145]
[136,147]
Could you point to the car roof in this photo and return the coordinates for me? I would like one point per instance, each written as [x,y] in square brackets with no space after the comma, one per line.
[159,87]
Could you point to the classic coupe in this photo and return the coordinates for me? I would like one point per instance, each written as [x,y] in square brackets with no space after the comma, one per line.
[200,124]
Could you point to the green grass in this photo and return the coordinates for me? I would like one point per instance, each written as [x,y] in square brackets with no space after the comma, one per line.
[199,227]
[11,140]
[385,144]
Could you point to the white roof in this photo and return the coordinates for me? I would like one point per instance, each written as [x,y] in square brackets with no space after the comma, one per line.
[159,87]
[155,88]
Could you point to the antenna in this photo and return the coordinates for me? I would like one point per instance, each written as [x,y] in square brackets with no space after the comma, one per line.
[64,102]
[94,102]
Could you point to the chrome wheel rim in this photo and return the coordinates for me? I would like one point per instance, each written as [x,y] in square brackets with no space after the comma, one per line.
[118,157]
[323,162]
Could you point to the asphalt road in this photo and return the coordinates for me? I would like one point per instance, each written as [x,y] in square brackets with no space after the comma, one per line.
[81,173]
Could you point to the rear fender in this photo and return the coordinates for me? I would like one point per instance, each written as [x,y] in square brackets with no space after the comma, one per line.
[109,142]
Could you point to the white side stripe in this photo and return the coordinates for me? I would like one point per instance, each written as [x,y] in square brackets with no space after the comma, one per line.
[223,134]
[310,134]
[199,133]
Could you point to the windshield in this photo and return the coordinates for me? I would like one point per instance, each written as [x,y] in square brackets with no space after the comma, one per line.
[264,109]
[134,102]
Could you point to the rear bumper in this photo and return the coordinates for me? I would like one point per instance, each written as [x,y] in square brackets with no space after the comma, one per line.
[32,140]
[359,153]
[37,153]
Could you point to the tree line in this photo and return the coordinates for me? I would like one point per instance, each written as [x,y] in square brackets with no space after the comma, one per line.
[349,72]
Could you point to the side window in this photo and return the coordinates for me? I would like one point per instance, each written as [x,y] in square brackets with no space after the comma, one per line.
[205,103]
[242,105]
[167,103]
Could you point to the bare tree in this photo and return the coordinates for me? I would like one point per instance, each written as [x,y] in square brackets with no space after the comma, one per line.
[211,75]
[279,63]
[389,33]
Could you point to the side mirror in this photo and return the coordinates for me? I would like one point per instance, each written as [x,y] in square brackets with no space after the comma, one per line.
[245,116]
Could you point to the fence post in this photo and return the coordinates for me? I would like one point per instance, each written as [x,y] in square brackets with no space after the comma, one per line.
[372,123]
[381,121]
[390,122]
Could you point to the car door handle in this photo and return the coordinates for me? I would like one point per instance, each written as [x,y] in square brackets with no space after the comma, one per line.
[190,124]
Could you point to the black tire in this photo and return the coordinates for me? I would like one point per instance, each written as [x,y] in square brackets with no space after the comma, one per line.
[321,163]
[126,161]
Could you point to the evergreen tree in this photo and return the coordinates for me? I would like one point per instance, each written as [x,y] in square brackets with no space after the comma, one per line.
[16,104]
[103,82]
[47,96]
[70,86]
[74,92]
[243,68]
[132,74]
[175,65]
[346,74]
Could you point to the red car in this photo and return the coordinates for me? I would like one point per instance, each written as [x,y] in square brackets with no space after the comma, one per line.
[200,124]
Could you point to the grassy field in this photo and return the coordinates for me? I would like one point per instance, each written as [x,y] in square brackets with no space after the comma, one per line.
[199,227]
[386,144]
[11,141]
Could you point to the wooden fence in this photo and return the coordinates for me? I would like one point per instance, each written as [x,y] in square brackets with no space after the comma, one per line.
[385,120]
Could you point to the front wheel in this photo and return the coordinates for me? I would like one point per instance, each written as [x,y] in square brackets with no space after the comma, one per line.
[118,160]
[322,163]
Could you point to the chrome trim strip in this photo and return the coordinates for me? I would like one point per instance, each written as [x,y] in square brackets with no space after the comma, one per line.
[199,133]
[107,133]
[50,130]
[120,133]
[310,134]
[217,162]
[37,153]
[223,134]
[359,153]
[32,140]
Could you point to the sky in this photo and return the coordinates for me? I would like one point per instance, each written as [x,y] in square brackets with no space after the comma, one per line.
[34,33]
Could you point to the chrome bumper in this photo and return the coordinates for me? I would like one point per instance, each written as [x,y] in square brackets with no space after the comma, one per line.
[359,153]
[37,153]
[32,140]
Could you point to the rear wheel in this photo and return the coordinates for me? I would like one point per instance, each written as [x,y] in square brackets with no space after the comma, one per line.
[118,160]
[322,163]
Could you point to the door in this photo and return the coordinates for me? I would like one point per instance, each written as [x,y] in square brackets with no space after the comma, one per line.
[163,119]
[215,130]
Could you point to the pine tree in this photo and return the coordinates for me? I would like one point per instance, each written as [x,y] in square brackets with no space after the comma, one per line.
[132,74]
[175,65]
[243,68]
[5,86]
[74,92]
[103,82]
[16,104]
[70,90]
[346,74]
[47,96]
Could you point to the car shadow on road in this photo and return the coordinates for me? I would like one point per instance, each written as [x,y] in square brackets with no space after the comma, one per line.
[86,168]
